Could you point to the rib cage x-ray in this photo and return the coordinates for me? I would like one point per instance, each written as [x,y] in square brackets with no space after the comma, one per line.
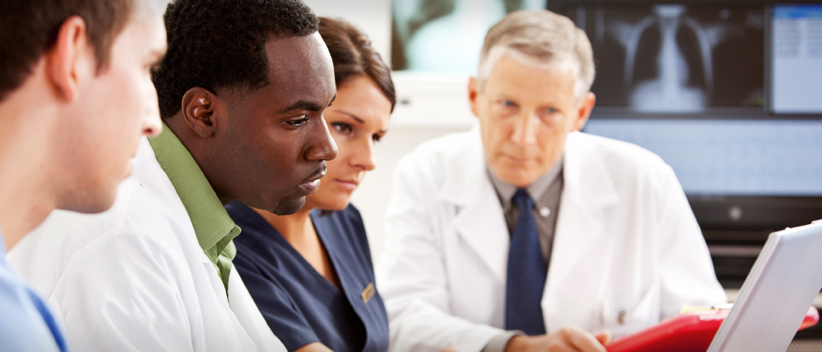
[675,58]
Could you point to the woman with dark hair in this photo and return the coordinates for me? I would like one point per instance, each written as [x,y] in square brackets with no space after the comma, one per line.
[310,273]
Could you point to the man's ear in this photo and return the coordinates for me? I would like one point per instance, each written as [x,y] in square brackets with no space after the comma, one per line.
[198,111]
[71,60]
[584,111]
[473,92]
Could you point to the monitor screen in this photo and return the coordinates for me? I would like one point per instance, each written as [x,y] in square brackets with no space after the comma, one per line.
[730,157]
[675,58]
[797,59]
[727,93]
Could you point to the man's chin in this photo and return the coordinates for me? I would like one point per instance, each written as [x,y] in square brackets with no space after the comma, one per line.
[517,177]
[288,206]
[91,205]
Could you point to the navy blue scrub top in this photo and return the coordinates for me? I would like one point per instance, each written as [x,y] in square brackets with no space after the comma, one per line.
[300,305]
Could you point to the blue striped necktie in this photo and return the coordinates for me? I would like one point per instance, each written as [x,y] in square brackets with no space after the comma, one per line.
[526,272]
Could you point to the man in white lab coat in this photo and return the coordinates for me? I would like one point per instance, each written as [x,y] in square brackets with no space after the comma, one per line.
[75,99]
[241,91]
[524,234]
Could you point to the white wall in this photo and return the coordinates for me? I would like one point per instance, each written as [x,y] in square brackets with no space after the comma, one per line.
[370,16]
[430,106]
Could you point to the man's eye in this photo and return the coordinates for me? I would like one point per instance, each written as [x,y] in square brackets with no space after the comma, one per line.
[298,123]
[341,127]
[508,103]
[551,111]
[153,67]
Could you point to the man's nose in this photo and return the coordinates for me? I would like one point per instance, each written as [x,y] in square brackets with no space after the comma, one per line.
[152,123]
[322,146]
[525,129]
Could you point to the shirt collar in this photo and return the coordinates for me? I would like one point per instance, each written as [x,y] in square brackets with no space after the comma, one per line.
[212,225]
[506,191]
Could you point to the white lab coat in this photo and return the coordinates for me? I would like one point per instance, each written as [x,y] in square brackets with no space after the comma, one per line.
[135,278]
[626,245]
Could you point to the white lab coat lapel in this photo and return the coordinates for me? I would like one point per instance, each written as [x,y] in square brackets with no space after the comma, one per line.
[156,182]
[479,218]
[587,190]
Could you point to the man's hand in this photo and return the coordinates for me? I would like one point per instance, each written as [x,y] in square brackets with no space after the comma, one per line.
[570,339]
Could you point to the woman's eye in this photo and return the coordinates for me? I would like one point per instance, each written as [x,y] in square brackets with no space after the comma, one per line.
[376,138]
[341,127]
[298,123]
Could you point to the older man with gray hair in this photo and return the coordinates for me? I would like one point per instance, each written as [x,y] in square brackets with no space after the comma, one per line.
[524,234]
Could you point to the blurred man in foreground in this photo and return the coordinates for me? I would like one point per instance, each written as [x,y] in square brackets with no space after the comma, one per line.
[525,235]
[242,91]
[75,97]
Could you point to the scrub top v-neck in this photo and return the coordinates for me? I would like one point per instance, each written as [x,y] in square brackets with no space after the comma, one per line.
[300,305]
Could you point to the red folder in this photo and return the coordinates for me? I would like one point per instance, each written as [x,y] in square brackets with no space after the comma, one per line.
[690,332]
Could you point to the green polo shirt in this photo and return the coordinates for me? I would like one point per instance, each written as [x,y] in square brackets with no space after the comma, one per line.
[214,228]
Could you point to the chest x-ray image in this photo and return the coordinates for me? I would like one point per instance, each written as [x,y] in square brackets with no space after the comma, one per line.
[676,58]
[445,36]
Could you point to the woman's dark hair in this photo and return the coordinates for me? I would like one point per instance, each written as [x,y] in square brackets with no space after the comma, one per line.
[353,56]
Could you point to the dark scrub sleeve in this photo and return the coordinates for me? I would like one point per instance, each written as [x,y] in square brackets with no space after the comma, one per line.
[281,313]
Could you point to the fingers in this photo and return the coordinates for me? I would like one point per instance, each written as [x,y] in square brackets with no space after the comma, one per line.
[582,340]
[604,336]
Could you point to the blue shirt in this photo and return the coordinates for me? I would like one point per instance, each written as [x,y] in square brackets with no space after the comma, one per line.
[26,324]
[300,305]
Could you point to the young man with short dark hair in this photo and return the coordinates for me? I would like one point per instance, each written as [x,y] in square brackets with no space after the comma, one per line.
[242,91]
[75,97]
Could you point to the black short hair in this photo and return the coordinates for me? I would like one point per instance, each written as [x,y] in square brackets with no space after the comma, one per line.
[221,44]
[29,28]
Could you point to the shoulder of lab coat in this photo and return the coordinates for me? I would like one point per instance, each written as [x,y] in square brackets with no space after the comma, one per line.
[443,185]
[686,271]
[135,278]
[411,274]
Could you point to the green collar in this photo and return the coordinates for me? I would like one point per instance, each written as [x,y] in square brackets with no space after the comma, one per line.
[212,225]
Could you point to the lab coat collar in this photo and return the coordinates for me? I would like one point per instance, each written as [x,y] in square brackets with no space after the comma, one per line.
[210,220]
[587,191]
[212,225]
[466,168]
[586,176]
[480,219]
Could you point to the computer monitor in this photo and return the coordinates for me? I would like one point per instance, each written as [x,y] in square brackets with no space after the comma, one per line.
[729,94]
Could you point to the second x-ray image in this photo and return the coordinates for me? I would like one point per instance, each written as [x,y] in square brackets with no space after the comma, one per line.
[445,36]
[675,58]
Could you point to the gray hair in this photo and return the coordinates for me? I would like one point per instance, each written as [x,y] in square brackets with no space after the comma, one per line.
[541,38]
